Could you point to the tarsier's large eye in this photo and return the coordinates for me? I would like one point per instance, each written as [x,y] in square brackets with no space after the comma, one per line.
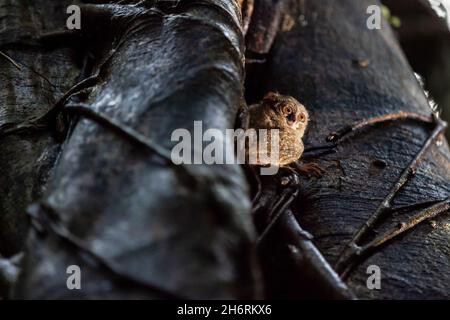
[287,110]
[302,117]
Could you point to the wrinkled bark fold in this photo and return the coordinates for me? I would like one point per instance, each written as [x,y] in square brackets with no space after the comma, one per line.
[147,227]
[140,227]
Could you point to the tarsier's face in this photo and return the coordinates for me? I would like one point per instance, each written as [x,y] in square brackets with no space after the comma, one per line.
[290,112]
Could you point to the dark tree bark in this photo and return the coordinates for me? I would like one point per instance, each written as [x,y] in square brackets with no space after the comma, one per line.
[140,227]
[29,87]
[425,39]
[150,229]
[343,72]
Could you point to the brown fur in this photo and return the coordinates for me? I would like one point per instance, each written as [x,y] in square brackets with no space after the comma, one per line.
[272,113]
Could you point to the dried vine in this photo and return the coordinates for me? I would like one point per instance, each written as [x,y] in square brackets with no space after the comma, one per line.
[354,249]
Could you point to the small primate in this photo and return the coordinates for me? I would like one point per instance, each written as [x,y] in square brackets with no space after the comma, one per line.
[290,117]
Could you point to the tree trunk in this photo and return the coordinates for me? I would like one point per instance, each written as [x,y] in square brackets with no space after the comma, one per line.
[105,196]
[344,73]
[425,39]
[149,228]
[30,86]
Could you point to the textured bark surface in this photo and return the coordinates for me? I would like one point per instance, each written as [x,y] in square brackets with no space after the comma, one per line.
[141,228]
[26,158]
[317,63]
[158,226]
[425,39]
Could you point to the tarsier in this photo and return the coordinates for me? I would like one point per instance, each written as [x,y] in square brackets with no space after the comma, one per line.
[290,118]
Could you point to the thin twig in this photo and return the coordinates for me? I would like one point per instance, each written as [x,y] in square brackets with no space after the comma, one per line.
[15,64]
[278,213]
[258,184]
[8,128]
[402,115]
[352,249]
[327,146]
[279,208]
[317,151]
[400,228]
[308,259]
[414,206]
[426,214]
[42,120]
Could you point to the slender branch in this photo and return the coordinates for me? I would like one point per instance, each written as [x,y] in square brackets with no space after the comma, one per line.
[303,255]
[426,214]
[402,115]
[308,260]
[320,147]
[414,206]
[337,137]
[352,249]
[41,122]
[317,151]
[280,207]
[258,184]
[15,64]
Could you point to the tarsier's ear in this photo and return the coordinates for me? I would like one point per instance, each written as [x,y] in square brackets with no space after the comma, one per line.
[271,96]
